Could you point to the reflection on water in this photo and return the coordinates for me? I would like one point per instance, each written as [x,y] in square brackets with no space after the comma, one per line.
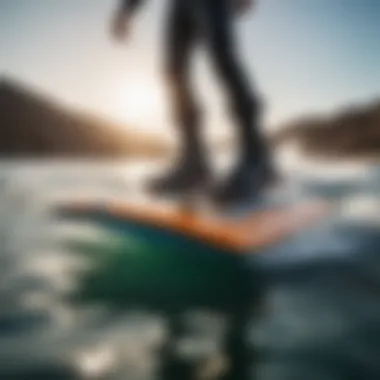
[321,308]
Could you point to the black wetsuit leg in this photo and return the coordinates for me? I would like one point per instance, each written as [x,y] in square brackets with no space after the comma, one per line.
[192,171]
[219,20]
[181,37]
[212,22]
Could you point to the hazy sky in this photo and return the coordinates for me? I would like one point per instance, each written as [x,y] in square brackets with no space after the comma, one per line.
[304,55]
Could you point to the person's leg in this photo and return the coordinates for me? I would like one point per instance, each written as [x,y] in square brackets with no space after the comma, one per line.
[191,169]
[244,102]
[181,39]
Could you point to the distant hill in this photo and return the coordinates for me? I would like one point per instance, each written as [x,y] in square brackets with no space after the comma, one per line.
[35,126]
[352,132]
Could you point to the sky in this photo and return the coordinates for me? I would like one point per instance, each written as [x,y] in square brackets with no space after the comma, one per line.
[303,56]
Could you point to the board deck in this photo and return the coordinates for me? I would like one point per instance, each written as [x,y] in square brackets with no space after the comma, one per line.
[243,234]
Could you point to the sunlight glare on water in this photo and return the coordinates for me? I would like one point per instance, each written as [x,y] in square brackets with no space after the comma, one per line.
[291,160]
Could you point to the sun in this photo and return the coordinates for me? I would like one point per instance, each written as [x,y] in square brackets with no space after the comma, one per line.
[142,103]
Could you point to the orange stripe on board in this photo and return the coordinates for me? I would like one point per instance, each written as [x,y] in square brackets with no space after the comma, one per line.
[254,231]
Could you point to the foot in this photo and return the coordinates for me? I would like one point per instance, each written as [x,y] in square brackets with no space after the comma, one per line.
[248,180]
[186,176]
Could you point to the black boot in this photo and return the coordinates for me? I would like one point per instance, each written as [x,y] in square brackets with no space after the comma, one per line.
[247,181]
[187,175]
[255,171]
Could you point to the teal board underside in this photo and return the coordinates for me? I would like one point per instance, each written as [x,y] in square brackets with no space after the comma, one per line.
[135,264]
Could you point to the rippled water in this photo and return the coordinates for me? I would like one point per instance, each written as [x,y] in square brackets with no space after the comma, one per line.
[322,304]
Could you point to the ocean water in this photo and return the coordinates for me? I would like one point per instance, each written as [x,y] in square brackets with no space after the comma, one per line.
[322,300]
